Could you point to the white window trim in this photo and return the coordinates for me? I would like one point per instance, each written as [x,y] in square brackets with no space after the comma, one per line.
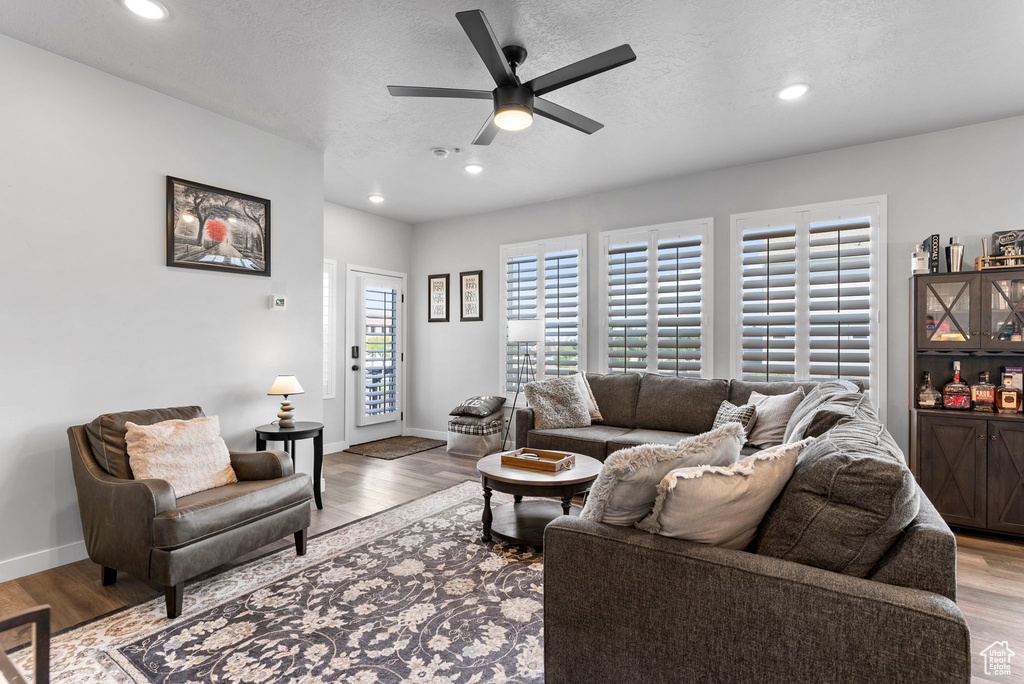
[705,227]
[331,266]
[879,270]
[540,248]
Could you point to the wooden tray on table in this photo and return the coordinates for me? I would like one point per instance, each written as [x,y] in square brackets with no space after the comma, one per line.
[539,460]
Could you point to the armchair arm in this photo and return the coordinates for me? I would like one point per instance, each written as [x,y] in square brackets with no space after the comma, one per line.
[524,423]
[117,515]
[261,465]
[631,606]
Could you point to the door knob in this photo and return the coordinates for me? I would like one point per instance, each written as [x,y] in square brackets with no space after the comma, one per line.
[981,436]
[355,367]
[992,437]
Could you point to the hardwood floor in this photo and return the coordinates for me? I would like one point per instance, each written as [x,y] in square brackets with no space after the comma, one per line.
[991,570]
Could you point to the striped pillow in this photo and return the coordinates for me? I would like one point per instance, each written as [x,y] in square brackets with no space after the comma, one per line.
[731,413]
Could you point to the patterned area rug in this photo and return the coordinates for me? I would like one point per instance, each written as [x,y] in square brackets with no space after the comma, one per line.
[407,595]
[395,447]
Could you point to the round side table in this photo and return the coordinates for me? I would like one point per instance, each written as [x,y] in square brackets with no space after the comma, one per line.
[523,522]
[302,430]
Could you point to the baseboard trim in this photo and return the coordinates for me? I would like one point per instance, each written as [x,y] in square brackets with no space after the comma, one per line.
[429,434]
[46,559]
[335,447]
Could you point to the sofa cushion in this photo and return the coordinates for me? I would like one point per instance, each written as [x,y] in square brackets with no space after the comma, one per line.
[773,414]
[721,505]
[205,514]
[643,436]
[850,497]
[588,397]
[814,399]
[589,441]
[740,390]
[679,404]
[625,490]
[188,454]
[106,434]
[729,412]
[616,395]
[558,403]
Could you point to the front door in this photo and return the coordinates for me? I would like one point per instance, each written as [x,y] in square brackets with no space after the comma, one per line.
[377,357]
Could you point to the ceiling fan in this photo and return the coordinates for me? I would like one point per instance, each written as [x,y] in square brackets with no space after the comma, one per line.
[516,102]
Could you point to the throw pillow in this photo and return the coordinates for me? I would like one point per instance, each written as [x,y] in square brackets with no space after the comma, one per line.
[625,490]
[721,506]
[478,406]
[850,497]
[729,412]
[189,454]
[588,396]
[478,420]
[818,396]
[836,408]
[557,403]
[773,413]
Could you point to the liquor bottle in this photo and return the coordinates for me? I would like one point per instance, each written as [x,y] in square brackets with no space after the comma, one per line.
[956,394]
[1016,335]
[928,396]
[983,394]
[1008,397]
[919,260]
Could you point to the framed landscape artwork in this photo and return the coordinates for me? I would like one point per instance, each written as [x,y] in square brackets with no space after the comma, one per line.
[471,289]
[216,229]
[437,287]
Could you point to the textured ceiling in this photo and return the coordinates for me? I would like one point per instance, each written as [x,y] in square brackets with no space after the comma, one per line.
[701,94]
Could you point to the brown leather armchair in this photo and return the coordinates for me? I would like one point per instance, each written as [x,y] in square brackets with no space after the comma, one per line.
[140,527]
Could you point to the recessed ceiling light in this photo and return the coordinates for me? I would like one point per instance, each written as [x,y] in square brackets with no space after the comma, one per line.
[148,9]
[376,199]
[474,168]
[793,92]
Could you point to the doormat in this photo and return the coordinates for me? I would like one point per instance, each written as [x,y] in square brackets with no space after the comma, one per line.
[395,447]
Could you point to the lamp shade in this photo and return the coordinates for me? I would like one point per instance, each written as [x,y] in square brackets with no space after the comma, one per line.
[525,330]
[285,384]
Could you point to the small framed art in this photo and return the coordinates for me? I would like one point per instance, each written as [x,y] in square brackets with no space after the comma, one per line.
[437,287]
[471,295]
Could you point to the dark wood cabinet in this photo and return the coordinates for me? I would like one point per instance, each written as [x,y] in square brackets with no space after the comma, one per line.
[948,310]
[1002,310]
[1006,476]
[954,473]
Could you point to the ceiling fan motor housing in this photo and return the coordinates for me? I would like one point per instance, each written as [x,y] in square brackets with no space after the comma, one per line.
[514,95]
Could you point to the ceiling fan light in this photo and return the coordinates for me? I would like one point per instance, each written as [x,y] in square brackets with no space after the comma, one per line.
[513,117]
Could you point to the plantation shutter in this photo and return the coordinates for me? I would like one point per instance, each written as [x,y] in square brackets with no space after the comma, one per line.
[655,319]
[627,304]
[768,307]
[809,283]
[546,281]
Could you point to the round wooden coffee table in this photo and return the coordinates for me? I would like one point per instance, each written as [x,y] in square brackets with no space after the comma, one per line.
[523,522]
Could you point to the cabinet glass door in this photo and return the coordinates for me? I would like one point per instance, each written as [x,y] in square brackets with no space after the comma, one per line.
[946,315]
[1002,298]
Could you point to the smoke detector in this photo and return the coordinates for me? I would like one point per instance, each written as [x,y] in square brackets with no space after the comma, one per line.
[440,152]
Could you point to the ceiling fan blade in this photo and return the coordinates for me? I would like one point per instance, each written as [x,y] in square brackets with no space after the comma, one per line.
[415,91]
[487,133]
[549,110]
[480,34]
[585,68]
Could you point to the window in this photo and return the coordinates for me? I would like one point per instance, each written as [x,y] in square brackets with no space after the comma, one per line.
[809,293]
[654,314]
[330,311]
[544,282]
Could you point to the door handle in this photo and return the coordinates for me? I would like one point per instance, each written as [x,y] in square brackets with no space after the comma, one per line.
[982,436]
[357,368]
[992,437]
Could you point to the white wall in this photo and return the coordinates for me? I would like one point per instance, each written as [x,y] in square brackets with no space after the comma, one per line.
[965,181]
[360,239]
[93,321]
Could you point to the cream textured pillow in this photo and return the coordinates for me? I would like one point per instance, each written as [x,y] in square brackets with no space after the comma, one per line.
[189,454]
[557,403]
[773,413]
[722,506]
[588,398]
[625,490]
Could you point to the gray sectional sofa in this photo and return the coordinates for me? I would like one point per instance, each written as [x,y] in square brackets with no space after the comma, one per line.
[869,601]
[643,408]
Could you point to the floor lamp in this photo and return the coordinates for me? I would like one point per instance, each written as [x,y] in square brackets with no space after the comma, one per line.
[522,331]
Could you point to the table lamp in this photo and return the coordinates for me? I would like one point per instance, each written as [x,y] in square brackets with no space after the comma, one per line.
[522,331]
[282,387]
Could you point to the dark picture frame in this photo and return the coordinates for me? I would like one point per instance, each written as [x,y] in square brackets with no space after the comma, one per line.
[438,295]
[214,229]
[471,295]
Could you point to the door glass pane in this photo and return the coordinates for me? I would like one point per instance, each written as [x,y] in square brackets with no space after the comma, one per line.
[948,312]
[381,390]
[1006,317]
